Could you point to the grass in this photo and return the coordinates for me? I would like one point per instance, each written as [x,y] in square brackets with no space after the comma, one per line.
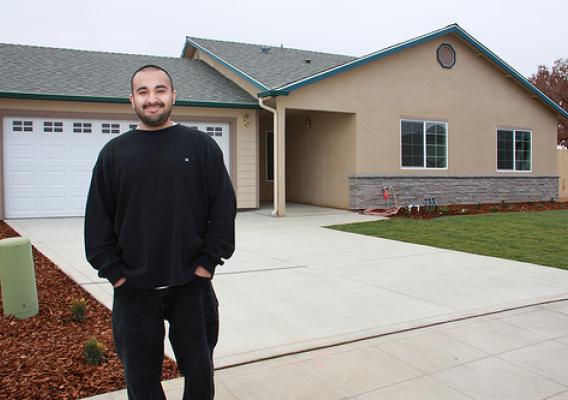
[534,237]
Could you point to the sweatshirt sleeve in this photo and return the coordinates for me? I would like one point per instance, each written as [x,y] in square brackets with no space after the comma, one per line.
[101,243]
[220,236]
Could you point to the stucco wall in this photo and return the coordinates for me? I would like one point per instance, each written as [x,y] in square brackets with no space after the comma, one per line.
[244,140]
[318,160]
[562,165]
[474,97]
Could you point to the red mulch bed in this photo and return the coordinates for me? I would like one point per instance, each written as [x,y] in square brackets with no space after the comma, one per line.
[429,212]
[42,356]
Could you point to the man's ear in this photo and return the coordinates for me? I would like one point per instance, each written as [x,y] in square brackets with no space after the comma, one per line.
[174,97]
[131,99]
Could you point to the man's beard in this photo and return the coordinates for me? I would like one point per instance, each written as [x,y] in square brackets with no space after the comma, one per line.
[155,119]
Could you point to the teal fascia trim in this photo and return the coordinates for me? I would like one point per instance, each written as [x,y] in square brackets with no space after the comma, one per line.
[121,100]
[456,29]
[273,93]
[231,67]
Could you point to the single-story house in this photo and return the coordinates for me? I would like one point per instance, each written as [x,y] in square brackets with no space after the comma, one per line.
[438,116]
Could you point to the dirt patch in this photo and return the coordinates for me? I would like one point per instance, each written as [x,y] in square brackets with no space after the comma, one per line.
[433,211]
[42,357]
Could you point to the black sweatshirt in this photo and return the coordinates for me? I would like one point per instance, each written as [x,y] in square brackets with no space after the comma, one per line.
[160,204]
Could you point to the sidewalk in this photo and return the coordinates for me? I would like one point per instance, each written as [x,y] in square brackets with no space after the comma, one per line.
[516,355]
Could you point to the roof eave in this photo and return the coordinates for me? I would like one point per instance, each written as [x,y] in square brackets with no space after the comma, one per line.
[122,100]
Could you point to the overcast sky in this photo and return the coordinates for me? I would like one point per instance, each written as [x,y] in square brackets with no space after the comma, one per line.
[523,34]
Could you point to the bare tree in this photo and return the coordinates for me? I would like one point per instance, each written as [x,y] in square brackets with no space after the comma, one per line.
[554,83]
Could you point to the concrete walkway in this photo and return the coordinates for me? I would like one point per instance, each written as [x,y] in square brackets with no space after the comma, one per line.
[293,286]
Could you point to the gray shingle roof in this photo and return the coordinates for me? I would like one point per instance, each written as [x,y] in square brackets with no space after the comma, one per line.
[66,72]
[278,66]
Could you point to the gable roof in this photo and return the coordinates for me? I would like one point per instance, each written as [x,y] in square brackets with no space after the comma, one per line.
[78,75]
[266,67]
[253,66]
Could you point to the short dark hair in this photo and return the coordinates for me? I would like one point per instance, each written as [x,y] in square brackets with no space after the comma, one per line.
[150,67]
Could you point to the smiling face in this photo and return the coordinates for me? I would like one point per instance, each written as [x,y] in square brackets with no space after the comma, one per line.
[152,98]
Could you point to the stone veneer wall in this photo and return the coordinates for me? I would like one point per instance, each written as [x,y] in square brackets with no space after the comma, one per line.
[366,190]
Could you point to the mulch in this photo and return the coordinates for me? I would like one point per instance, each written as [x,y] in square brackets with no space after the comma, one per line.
[434,211]
[42,356]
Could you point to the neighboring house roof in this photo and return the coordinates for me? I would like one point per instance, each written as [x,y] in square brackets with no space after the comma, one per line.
[78,75]
[248,61]
[267,67]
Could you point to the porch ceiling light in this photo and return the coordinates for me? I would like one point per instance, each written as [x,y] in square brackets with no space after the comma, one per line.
[246,120]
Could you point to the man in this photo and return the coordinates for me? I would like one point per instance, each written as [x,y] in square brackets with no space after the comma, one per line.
[159,218]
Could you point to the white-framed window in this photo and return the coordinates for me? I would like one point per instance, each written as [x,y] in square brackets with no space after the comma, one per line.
[82,127]
[52,126]
[269,142]
[22,126]
[423,144]
[110,128]
[514,150]
[214,130]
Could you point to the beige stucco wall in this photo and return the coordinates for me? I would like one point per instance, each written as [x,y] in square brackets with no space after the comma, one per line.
[562,169]
[474,97]
[319,160]
[244,140]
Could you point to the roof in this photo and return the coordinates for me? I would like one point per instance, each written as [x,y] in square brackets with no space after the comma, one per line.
[65,74]
[267,67]
[282,70]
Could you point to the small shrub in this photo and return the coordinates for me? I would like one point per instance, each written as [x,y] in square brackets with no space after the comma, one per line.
[78,310]
[493,209]
[444,210]
[541,206]
[95,351]
[478,206]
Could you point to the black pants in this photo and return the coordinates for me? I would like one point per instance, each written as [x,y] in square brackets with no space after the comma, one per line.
[138,326]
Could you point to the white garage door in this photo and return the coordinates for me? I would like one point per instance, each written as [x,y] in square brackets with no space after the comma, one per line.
[48,162]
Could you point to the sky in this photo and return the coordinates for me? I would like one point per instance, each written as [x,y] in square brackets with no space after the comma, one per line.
[523,34]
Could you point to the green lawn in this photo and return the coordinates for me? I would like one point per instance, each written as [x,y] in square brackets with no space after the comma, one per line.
[534,237]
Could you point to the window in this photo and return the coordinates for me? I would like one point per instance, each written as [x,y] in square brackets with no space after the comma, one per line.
[111,128]
[446,55]
[132,126]
[50,126]
[423,144]
[22,126]
[513,150]
[214,131]
[269,155]
[82,127]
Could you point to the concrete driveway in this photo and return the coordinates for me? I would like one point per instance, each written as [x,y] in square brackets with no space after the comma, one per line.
[294,285]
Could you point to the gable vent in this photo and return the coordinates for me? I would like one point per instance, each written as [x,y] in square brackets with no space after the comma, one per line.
[265,50]
[308,61]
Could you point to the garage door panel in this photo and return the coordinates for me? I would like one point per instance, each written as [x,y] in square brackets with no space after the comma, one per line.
[21,178]
[47,173]
[25,152]
[52,178]
[51,152]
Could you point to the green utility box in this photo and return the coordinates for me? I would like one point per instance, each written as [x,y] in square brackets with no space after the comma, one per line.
[17,278]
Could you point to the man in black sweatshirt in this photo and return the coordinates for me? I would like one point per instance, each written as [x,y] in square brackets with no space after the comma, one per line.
[159,218]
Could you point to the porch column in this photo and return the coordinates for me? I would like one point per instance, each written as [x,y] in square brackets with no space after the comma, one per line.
[280,161]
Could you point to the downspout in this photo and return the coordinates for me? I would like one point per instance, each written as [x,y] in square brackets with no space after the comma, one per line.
[274,211]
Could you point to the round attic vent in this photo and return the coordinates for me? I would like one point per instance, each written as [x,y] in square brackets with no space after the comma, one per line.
[446,55]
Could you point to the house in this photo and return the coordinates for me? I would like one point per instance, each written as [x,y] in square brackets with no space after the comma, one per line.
[439,116]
